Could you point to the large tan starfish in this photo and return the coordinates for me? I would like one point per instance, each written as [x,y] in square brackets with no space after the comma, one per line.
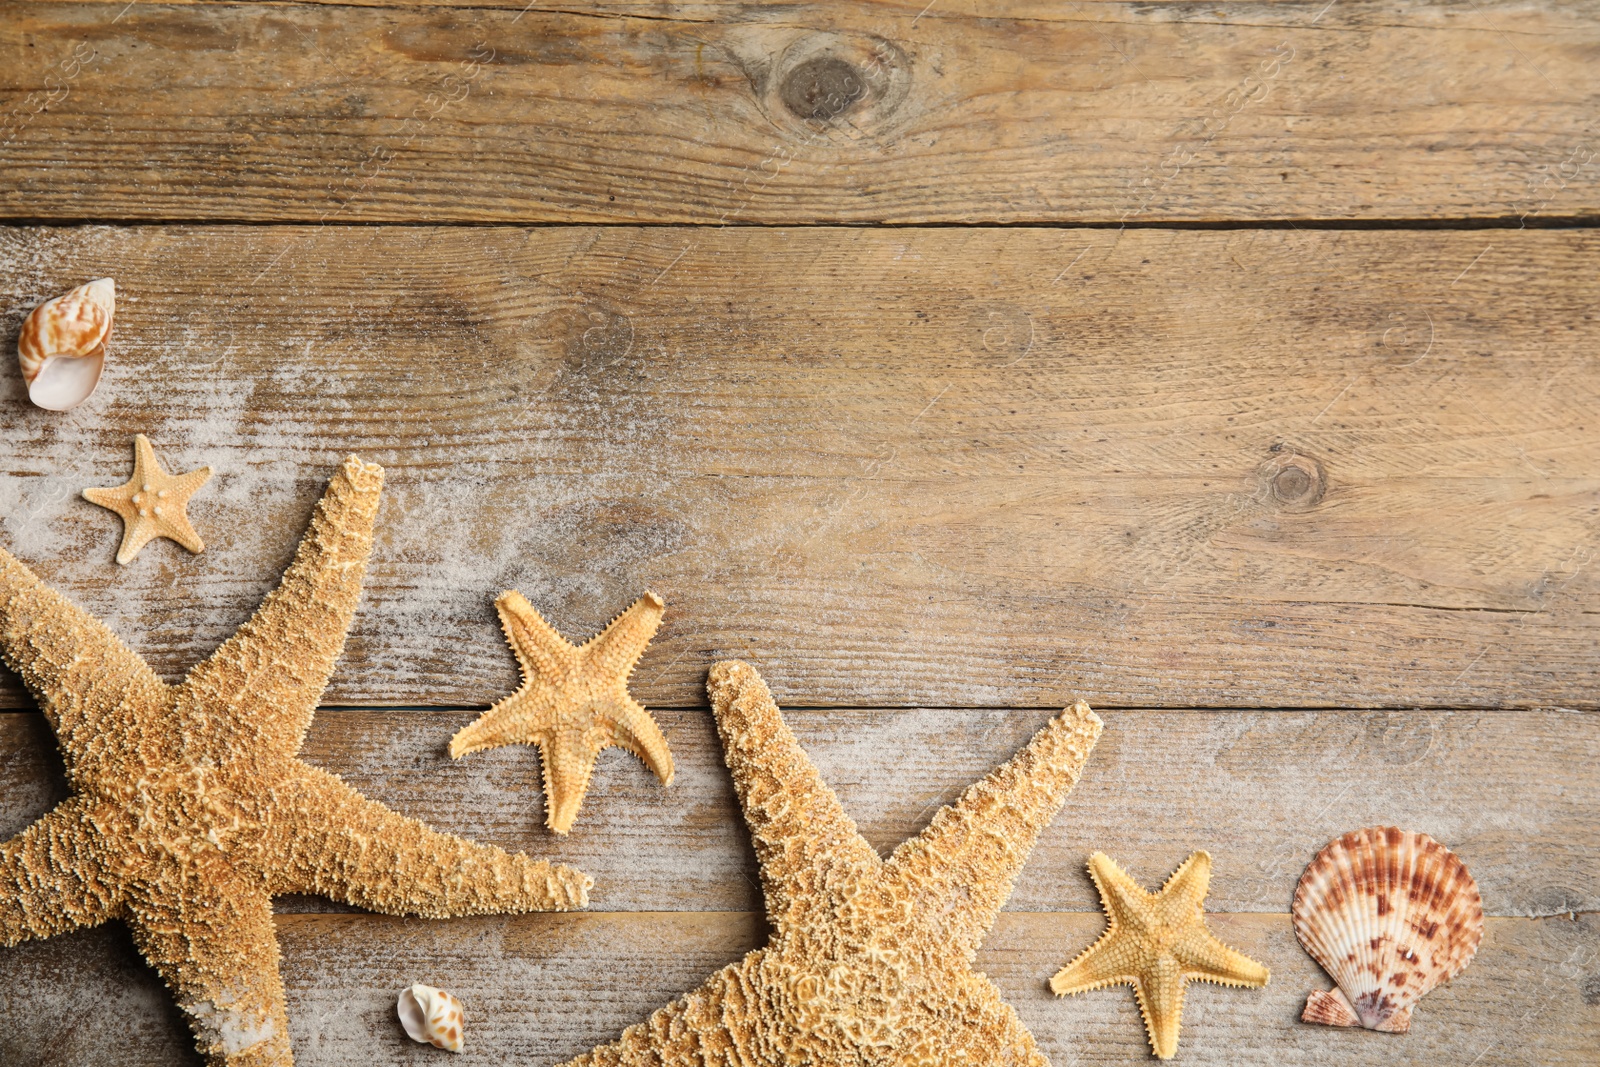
[1157,942]
[190,810]
[870,960]
[152,503]
[574,702]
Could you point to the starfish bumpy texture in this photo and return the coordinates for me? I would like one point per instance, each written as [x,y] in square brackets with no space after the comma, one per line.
[870,960]
[152,503]
[574,701]
[1157,942]
[190,810]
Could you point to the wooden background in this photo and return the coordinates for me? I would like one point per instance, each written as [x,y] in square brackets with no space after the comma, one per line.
[1231,366]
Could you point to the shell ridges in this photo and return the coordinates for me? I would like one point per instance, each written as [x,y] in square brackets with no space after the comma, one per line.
[1390,914]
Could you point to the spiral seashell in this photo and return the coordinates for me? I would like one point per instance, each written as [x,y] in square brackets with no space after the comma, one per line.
[1389,914]
[433,1017]
[62,346]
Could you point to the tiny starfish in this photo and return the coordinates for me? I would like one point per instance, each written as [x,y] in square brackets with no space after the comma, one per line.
[152,503]
[1157,942]
[574,701]
[870,960]
[190,809]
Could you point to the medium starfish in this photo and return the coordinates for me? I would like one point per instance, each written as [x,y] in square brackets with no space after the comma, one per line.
[152,503]
[870,960]
[574,701]
[190,810]
[1157,942]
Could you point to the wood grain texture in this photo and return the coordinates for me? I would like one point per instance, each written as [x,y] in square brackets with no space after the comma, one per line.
[799,113]
[1513,793]
[539,989]
[899,468]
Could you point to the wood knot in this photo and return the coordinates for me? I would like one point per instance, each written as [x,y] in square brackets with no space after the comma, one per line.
[822,87]
[849,84]
[1295,482]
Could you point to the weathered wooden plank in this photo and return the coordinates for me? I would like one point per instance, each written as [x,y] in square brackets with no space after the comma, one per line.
[538,989]
[1514,793]
[799,113]
[945,467]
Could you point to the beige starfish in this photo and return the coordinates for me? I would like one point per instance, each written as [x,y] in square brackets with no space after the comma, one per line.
[190,810]
[1157,942]
[152,503]
[870,960]
[574,701]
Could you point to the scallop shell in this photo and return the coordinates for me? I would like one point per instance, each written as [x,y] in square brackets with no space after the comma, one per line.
[1389,914]
[432,1017]
[62,345]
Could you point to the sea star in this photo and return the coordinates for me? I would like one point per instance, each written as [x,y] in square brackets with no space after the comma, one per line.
[574,701]
[870,960]
[1157,942]
[190,809]
[152,503]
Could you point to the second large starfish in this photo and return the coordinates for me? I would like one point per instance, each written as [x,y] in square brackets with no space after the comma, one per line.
[573,703]
[870,960]
[190,811]
[1157,942]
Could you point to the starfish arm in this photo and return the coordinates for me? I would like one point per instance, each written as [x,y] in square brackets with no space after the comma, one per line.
[568,765]
[808,848]
[974,849]
[566,755]
[1208,959]
[1187,887]
[1099,965]
[186,485]
[724,1015]
[325,838]
[618,647]
[136,532]
[513,721]
[541,652]
[634,729]
[144,459]
[1120,895]
[135,535]
[110,498]
[52,877]
[995,1034]
[175,522]
[1160,995]
[70,661]
[269,674]
[209,934]
[180,530]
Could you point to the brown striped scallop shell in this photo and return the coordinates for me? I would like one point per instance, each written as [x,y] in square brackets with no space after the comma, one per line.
[1389,914]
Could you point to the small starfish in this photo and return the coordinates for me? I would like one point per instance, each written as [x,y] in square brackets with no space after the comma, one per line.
[870,960]
[152,503]
[1157,942]
[574,701]
[190,810]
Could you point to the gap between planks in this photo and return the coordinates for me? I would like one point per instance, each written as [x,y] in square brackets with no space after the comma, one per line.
[934,468]
[501,114]
[1262,791]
